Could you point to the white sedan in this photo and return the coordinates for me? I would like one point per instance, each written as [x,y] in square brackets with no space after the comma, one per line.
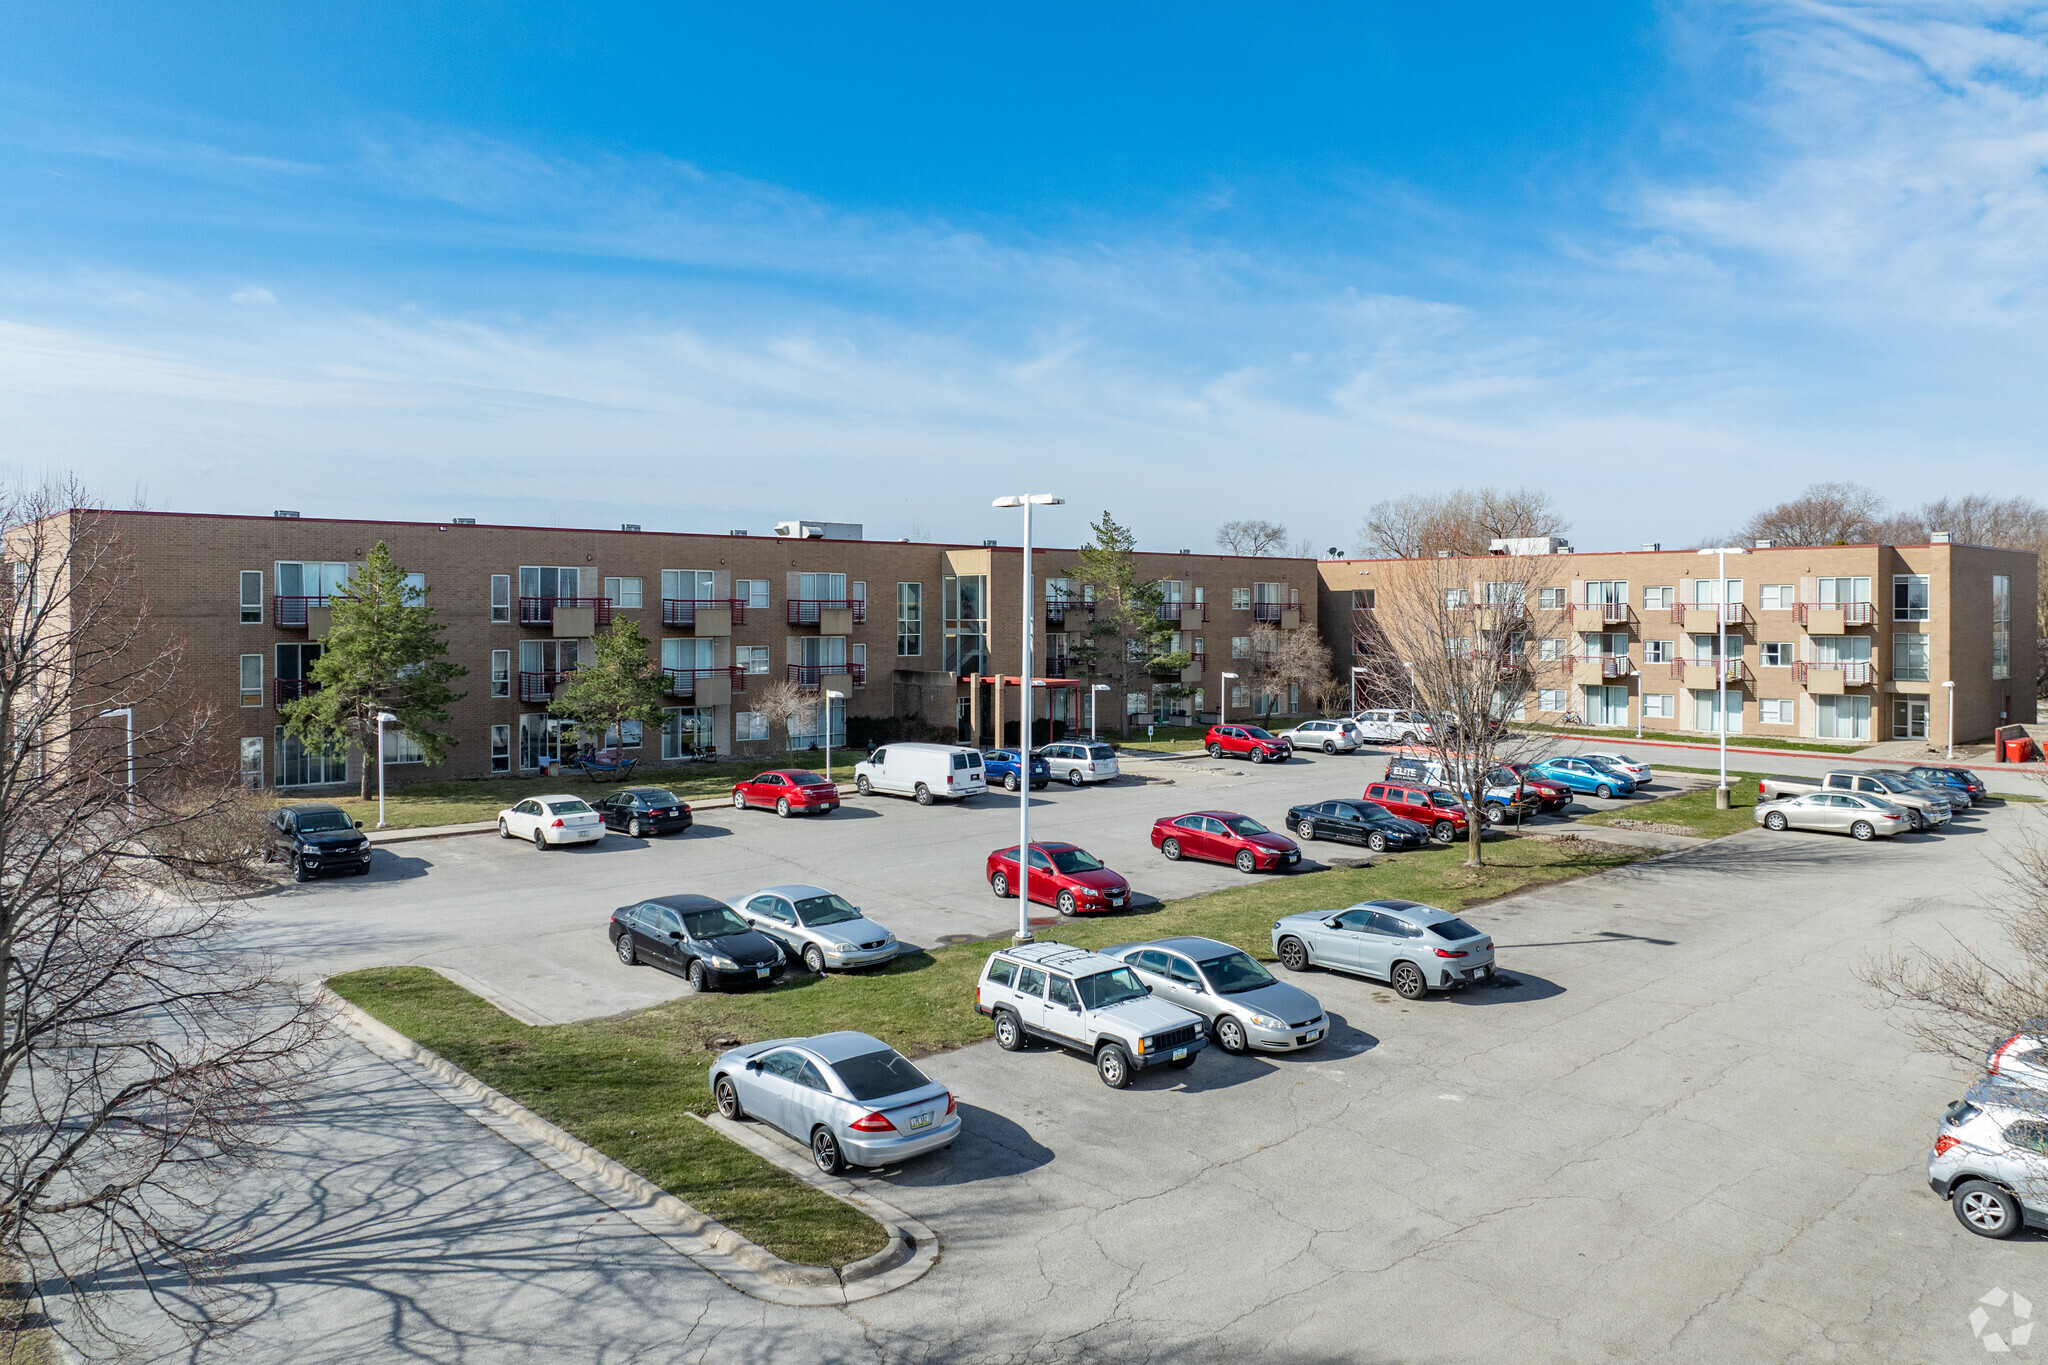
[1340,736]
[1639,771]
[550,821]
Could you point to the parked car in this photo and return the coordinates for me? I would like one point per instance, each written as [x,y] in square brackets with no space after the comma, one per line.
[2022,1057]
[817,927]
[1356,822]
[1962,779]
[1636,771]
[1861,817]
[1412,947]
[1067,878]
[1958,801]
[1923,809]
[1438,811]
[704,939]
[1223,836]
[1990,1158]
[1583,776]
[928,772]
[852,1099]
[787,792]
[1003,765]
[1341,736]
[1087,1002]
[1246,1008]
[1246,741]
[551,821]
[1397,727]
[1502,799]
[1078,762]
[644,810]
[316,840]
[1551,795]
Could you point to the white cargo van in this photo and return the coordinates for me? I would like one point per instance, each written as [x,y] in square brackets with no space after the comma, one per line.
[925,771]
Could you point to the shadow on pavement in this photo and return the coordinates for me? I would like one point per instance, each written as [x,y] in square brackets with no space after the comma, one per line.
[990,1147]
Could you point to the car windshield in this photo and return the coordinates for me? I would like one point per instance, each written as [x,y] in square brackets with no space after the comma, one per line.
[657,797]
[1601,762]
[808,780]
[1452,929]
[875,1075]
[713,923]
[1444,799]
[572,806]
[1072,860]
[1889,783]
[1113,987]
[1501,777]
[323,821]
[1245,825]
[1256,733]
[819,911]
[1235,973]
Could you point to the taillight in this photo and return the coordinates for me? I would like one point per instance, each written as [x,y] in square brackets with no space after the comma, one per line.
[556,825]
[1445,952]
[1944,1142]
[873,1123]
[949,779]
[1999,1056]
[951,1104]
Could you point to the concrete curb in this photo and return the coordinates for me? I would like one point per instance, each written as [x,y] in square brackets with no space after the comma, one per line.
[912,1248]
[379,837]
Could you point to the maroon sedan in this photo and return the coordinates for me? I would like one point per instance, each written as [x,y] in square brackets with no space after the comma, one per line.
[1225,837]
[1555,796]
[787,791]
[1067,878]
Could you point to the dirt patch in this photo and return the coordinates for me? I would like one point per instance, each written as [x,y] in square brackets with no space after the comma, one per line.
[1653,827]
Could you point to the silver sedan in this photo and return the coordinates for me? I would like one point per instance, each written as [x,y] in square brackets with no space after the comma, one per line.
[852,1099]
[1860,817]
[814,924]
[1247,1008]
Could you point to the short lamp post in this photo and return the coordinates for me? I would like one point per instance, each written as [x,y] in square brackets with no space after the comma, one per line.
[1098,687]
[384,718]
[1721,553]
[1027,501]
[1223,702]
[127,713]
[830,697]
[1949,692]
[1356,704]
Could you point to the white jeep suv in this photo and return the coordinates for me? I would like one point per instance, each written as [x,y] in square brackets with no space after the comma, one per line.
[1090,1003]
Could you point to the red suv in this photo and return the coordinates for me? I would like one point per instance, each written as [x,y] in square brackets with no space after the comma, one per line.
[787,791]
[1247,741]
[1224,837]
[1439,811]
[1067,878]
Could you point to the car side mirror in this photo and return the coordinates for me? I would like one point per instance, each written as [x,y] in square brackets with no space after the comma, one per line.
[753,1064]
[359,824]
[1330,923]
[676,934]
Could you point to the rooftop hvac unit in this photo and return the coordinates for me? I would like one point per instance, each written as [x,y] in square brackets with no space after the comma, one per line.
[818,530]
[1764,543]
[629,526]
[293,515]
[1530,545]
[1940,537]
[462,521]
[1653,545]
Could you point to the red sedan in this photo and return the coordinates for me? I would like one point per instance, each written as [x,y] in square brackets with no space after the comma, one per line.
[1225,837]
[1068,879]
[1555,796]
[787,791]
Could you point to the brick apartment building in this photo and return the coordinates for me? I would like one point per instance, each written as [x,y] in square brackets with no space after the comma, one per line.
[919,633]
[1835,642]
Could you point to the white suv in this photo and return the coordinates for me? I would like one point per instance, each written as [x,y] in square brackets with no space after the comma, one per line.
[1403,727]
[1087,1002]
[1080,761]
[1990,1158]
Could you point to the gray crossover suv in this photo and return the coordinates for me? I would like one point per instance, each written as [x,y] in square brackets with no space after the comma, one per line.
[1247,1009]
[1414,948]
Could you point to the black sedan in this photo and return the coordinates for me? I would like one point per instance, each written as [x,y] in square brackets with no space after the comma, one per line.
[644,810]
[1357,822]
[702,938]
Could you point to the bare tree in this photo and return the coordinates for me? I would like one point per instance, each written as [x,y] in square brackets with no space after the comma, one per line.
[1825,514]
[1462,522]
[1454,635]
[784,703]
[1283,660]
[1250,537]
[145,1059]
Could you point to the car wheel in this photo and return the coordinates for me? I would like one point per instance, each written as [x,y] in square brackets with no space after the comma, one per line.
[1862,830]
[698,978]
[1493,815]
[1604,792]
[1407,737]
[1293,954]
[1245,861]
[1000,884]
[540,842]
[299,873]
[504,830]
[624,947]
[635,828]
[1009,1033]
[1408,981]
[924,795]
[1258,755]
[1010,783]
[782,806]
[1919,820]
[1775,821]
[825,1152]
[1307,831]
[1171,848]
[1376,841]
[1215,751]
[1113,1066]
[1074,778]
[1985,1209]
[1066,904]
[860,784]
[1230,1034]
[1443,831]
[739,800]
[814,958]
[1329,747]
[728,1099]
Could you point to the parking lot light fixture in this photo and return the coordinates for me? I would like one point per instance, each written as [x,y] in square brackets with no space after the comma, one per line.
[1721,553]
[1027,501]
[1357,689]
[1949,692]
[1098,687]
[1223,702]
[384,718]
[830,697]
[127,713]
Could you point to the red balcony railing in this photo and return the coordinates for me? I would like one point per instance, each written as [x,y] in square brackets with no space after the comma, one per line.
[803,611]
[289,613]
[540,611]
[1853,613]
[1731,612]
[541,686]
[1270,611]
[1056,609]
[1055,666]
[1607,613]
[682,682]
[1201,658]
[682,611]
[1734,670]
[810,677]
[1611,665]
[1186,611]
[291,689]
[1855,672]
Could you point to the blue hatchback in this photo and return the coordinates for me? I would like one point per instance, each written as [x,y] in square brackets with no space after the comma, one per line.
[1584,775]
[1000,765]
[1956,779]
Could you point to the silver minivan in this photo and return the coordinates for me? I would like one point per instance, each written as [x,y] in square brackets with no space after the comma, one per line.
[1080,761]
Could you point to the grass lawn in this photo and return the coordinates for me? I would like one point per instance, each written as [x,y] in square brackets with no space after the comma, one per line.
[1620,736]
[1165,739]
[1694,810]
[627,1086]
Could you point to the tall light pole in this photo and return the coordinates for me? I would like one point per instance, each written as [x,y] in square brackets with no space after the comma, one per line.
[1027,501]
[1949,688]
[127,713]
[1356,673]
[1098,687]
[1721,553]
[384,718]
[1223,702]
[830,697]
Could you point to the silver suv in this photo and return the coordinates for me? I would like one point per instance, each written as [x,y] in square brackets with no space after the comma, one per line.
[1087,1002]
[1990,1158]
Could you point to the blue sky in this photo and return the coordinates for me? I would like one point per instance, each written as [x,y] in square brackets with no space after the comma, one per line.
[705,268]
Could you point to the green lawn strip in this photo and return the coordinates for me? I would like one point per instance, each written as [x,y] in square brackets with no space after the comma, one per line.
[1695,810]
[1164,739]
[1620,736]
[627,1086]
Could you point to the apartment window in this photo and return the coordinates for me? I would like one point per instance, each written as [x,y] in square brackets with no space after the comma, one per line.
[1600,592]
[414,590]
[546,585]
[860,662]
[2001,626]
[629,740]
[964,599]
[1240,695]
[299,765]
[1457,597]
[252,680]
[622,592]
[1707,648]
[1840,591]
[1240,646]
[400,747]
[811,733]
[860,598]
[751,592]
[910,619]
[1909,658]
[1550,599]
[1550,651]
[747,725]
[252,762]
[1659,599]
[501,672]
[1778,596]
[1240,599]
[1363,599]
[1657,651]
[501,597]
[1777,654]
[1841,649]
[1778,711]
[315,581]
[751,659]
[1843,717]
[1909,597]
[1550,699]
[252,601]
[683,730]
[501,748]
[1658,705]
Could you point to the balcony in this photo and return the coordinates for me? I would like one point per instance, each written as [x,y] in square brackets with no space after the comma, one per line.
[571,618]
[1708,616]
[1056,609]
[541,686]
[1833,678]
[1286,615]
[1601,613]
[1832,618]
[1184,611]
[831,615]
[1055,666]
[295,613]
[706,686]
[704,615]
[283,690]
[812,677]
[1599,668]
[1710,674]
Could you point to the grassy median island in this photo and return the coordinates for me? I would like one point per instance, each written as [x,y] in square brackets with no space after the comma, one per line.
[627,1086]
[1691,812]
[1620,736]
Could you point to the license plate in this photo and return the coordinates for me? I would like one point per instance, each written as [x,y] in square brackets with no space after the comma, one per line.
[760,971]
[1294,857]
[921,1121]
[1179,1053]
[1311,1037]
[1116,900]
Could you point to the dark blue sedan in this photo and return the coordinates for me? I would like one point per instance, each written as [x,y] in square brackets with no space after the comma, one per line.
[1955,779]
[1000,765]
